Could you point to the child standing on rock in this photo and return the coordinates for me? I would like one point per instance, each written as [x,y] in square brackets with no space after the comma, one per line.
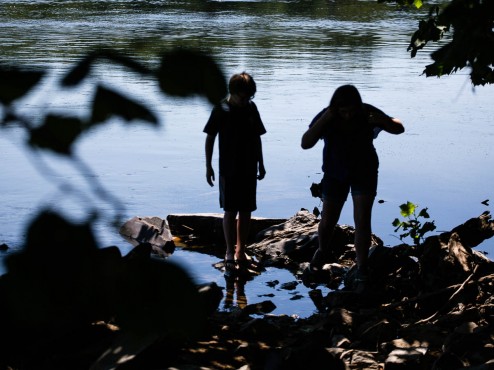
[350,163]
[239,127]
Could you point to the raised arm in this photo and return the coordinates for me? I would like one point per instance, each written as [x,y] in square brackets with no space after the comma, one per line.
[315,131]
[388,124]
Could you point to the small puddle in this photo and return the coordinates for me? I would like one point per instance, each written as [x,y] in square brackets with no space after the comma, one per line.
[279,286]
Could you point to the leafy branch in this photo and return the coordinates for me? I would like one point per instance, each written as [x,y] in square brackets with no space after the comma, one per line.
[412,225]
[181,72]
[471,44]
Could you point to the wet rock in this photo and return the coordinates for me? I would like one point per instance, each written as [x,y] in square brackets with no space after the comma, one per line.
[208,227]
[4,247]
[293,242]
[259,308]
[291,285]
[152,230]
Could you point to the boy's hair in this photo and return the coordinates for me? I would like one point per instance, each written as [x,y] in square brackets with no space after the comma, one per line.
[242,83]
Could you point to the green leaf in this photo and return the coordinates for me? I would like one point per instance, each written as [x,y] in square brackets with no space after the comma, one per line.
[396,222]
[56,134]
[404,235]
[108,103]
[423,213]
[15,83]
[407,209]
[428,226]
[187,72]
[418,3]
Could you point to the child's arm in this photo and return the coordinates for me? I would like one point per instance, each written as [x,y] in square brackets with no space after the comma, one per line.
[315,131]
[388,124]
[383,121]
[262,170]
[209,158]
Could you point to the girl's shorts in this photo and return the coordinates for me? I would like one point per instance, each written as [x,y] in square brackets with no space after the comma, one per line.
[336,188]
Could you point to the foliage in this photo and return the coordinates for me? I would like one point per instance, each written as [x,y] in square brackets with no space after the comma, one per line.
[181,73]
[412,226]
[62,280]
[416,3]
[471,44]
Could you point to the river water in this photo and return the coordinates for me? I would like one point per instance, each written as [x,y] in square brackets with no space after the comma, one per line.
[298,53]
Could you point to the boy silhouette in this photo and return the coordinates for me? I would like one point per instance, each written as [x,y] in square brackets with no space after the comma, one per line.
[237,123]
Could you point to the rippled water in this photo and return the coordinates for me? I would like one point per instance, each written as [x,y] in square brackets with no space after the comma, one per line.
[298,52]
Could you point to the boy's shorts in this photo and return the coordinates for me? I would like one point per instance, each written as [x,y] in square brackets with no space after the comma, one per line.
[333,188]
[238,193]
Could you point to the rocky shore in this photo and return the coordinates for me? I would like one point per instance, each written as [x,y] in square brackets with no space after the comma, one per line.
[428,306]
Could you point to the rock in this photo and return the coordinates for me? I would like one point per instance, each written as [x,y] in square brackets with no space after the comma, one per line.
[358,359]
[208,227]
[211,296]
[152,230]
[259,308]
[429,307]
[294,241]
[405,358]
[4,247]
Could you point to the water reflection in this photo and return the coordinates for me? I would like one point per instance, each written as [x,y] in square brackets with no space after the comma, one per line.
[298,51]
[235,293]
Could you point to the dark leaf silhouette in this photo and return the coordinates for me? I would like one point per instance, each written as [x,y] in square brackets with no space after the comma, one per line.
[187,72]
[79,72]
[50,281]
[56,134]
[15,83]
[83,68]
[108,103]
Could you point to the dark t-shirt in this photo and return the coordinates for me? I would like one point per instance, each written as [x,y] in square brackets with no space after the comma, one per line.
[348,146]
[238,129]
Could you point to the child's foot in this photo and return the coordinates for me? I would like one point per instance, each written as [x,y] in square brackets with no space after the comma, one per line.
[230,268]
[321,257]
[361,280]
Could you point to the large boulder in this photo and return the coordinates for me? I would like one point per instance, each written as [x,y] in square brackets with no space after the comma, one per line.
[294,241]
[152,230]
[206,230]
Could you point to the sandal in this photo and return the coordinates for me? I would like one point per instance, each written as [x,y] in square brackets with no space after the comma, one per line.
[230,267]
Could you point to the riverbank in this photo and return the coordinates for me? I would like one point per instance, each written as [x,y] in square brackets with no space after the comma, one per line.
[427,307]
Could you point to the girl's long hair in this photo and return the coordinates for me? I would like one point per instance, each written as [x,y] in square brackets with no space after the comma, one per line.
[347,95]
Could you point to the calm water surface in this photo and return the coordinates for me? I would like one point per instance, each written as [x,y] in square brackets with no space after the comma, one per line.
[298,52]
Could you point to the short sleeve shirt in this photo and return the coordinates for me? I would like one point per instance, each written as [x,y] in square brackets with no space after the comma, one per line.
[348,147]
[239,130]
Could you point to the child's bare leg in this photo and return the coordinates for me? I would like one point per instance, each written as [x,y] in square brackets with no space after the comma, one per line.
[229,227]
[331,211]
[243,225]
[362,213]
